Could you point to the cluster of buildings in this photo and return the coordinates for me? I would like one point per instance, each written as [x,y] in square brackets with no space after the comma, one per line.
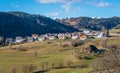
[62,36]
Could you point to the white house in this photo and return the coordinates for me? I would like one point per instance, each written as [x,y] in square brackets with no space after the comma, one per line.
[29,39]
[74,37]
[41,38]
[86,32]
[101,35]
[19,40]
[52,37]
[9,40]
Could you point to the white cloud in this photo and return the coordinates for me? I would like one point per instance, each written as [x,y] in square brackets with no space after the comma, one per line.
[49,1]
[67,7]
[67,4]
[14,5]
[98,3]
[103,4]
[54,14]
[56,1]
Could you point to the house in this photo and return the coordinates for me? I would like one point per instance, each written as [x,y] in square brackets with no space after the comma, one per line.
[2,42]
[42,38]
[101,35]
[92,33]
[35,37]
[19,40]
[29,39]
[52,37]
[61,36]
[91,49]
[68,35]
[83,36]
[86,32]
[9,40]
[74,37]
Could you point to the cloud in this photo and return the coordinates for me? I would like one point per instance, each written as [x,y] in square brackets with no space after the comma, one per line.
[14,5]
[54,14]
[65,4]
[68,7]
[49,1]
[97,3]
[103,4]
[56,1]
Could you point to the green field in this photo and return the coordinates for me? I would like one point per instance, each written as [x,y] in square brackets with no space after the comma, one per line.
[48,52]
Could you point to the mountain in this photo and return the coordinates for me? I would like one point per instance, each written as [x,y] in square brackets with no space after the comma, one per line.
[91,23]
[14,24]
[117,27]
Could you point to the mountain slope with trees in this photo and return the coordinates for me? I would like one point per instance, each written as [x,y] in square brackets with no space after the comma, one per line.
[14,24]
[117,27]
[91,23]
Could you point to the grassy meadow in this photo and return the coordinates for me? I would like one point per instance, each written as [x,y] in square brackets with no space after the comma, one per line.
[50,53]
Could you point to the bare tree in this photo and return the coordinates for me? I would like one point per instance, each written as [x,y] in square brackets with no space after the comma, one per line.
[110,63]
[52,65]
[35,54]
[103,29]
[13,70]
[25,69]
[28,68]
[10,45]
[31,68]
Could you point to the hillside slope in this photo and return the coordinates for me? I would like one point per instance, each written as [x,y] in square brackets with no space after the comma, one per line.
[117,27]
[91,23]
[14,24]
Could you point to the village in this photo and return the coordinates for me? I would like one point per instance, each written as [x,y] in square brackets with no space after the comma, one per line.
[61,36]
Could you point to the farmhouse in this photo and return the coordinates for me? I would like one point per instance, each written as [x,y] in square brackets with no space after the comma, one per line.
[83,36]
[91,49]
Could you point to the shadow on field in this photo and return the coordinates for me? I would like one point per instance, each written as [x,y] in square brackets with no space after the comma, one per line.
[42,71]
[80,66]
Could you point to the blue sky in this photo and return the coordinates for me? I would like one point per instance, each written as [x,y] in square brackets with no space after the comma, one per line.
[64,8]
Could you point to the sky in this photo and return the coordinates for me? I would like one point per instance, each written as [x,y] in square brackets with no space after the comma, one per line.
[64,8]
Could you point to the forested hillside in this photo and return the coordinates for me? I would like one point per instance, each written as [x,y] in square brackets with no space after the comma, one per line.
[91,23]
[14,24]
